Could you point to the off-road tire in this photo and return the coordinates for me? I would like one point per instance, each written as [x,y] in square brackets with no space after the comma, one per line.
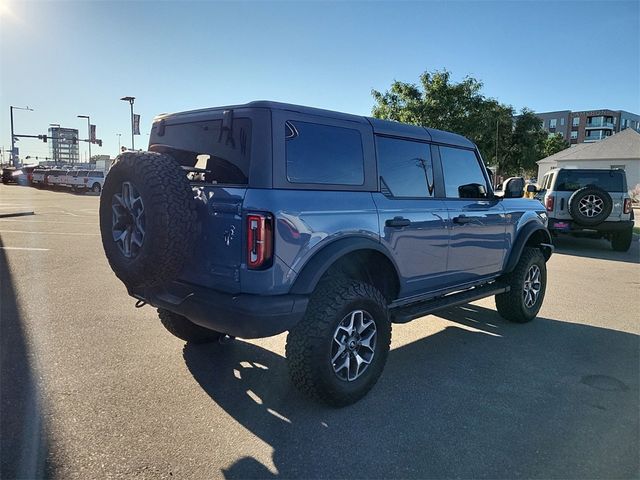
[511,305]
[621,241]
[184,329]
[578,195]
[308,348]
[171,228]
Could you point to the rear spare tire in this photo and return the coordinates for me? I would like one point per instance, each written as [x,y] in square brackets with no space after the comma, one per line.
[590,205]
[148,219]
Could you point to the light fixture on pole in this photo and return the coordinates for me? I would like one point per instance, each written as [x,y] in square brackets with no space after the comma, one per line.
[13,140]
[130,100]
[88,131]
[118,135]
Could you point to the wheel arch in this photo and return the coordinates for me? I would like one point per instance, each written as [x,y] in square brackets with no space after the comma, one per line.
[532,234]
[357,258]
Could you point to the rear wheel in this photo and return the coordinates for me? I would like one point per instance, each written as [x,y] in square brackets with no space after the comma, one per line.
[621,241]
[185,329]
[96,188]
[528,283]
[338,351]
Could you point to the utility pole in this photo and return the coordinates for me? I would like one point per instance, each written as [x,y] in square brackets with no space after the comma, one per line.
[118,135]
[88,132]
[13,140]
[130,100]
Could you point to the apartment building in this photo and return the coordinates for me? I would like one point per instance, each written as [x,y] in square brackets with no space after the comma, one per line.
[63,145]
[588,125]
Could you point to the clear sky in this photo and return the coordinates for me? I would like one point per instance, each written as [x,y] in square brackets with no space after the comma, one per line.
[65,58]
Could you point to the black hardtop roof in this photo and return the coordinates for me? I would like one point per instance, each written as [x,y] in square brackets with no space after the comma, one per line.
[384,127]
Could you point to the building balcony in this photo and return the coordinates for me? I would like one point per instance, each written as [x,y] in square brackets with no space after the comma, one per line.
[595,138]
[599,124]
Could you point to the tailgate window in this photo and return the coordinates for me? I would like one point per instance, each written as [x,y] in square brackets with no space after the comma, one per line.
[211,151]
[609,180]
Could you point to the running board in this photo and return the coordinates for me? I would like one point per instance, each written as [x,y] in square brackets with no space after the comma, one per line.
[416,310]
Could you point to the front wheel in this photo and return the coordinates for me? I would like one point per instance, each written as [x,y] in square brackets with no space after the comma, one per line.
[528,283]
[96,188]
[621,241]
[338,350]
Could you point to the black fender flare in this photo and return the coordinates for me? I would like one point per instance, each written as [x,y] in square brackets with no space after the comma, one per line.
[523,236]
[306,281]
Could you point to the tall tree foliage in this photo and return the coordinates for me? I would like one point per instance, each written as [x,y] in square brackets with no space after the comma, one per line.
[439,102]
[554,144]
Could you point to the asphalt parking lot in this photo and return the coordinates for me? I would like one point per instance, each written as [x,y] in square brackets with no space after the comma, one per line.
[92,387]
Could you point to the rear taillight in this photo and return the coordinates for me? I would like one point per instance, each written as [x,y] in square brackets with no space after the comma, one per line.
[548,203]
[627,206]
[259,240]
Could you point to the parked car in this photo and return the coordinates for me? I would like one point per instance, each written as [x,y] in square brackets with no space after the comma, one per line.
[88,180]
[56,178]
[7,175]
[38,176]
[595,202]
[262,218]
[23,175]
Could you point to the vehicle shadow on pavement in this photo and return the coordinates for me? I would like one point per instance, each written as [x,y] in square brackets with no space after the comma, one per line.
[23,440]
[595,248]
[480,398]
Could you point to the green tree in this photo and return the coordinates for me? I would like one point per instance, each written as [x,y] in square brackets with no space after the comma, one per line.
[553,144]
[527,141]
[439,102]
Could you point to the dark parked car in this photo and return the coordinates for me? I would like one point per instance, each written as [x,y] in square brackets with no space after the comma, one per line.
[7,175]
[262,218]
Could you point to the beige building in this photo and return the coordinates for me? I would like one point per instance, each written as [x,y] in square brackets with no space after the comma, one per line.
[621,150]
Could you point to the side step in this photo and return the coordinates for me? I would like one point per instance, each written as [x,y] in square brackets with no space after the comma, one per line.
[416,310]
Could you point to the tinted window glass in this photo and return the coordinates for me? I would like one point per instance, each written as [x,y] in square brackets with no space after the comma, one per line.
[226,149]
[323,154]
[460,167]
[609,180]
[405,167]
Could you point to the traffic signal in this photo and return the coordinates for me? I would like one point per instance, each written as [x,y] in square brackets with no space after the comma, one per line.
[74,140]
[99,142]
[43,138]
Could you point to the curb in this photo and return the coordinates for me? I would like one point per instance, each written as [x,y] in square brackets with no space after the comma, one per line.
[16,214]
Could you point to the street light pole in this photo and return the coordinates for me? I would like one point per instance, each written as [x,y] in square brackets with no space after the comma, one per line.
[130,100]
[88,131]
[13,140]
[118,135]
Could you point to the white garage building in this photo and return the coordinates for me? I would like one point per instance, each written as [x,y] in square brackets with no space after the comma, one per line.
[621,150]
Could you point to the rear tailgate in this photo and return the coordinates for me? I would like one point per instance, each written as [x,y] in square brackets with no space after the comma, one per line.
[218,255]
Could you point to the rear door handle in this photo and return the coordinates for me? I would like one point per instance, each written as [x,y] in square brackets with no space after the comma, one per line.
[462,219]
[398,222]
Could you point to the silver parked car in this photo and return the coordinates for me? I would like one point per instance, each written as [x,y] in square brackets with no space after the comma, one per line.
[589,201]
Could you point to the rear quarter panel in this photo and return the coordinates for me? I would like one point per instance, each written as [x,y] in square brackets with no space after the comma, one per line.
[305,222]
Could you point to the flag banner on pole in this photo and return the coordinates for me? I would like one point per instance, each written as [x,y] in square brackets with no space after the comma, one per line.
[136,124]
[93,134]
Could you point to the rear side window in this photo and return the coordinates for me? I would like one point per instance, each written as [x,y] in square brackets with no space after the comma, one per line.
[98,174]
[405,168]
[221,149]
[609,180]
[460,167]
[323,154]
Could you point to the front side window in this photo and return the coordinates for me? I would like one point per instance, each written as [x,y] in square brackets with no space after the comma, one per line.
[323,154]
[462,172]
[405,168]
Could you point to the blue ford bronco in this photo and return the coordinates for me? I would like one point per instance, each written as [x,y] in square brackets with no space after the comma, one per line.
[256,219]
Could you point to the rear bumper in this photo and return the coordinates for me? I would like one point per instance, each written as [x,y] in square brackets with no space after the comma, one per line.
[242,315]
[559,226]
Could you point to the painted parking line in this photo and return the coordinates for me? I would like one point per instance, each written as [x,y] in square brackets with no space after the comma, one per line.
[51,233]
[55,222]
[31,249]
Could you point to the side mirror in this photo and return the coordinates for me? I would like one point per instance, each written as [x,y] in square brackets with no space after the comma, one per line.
[472,190]
[514,187]
[532,189]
